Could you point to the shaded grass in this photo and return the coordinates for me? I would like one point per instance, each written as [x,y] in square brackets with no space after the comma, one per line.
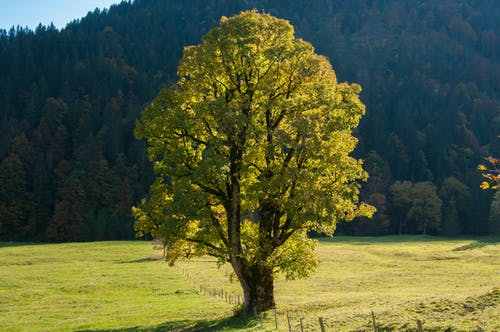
[124,286]
[228,324]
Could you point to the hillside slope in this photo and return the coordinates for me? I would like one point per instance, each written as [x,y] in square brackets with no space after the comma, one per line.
[71,168]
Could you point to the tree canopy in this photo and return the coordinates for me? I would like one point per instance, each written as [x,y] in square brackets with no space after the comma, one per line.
[250,151]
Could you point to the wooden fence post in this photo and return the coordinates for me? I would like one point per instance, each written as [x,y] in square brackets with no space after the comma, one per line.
[301,325]
[374,322]
[276,318]
[321,324]
[419,326]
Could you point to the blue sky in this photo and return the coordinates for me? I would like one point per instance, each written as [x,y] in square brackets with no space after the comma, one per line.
[32,12]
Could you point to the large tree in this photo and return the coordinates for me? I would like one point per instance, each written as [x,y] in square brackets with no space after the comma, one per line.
[251,150]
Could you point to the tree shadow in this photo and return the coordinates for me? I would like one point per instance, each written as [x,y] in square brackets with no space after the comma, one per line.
[367,240]
[477,241]
[209,325]
[18,244]
[144,260]
[478,244]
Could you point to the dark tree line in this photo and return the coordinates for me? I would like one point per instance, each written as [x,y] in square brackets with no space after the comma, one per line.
[70,168]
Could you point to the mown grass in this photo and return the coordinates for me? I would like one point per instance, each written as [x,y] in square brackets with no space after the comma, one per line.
[449,285]
[97,286]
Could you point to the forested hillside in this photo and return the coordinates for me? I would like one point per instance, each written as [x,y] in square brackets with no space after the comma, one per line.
[70,167]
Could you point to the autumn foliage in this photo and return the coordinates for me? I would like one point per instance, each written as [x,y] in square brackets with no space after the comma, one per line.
[491,173]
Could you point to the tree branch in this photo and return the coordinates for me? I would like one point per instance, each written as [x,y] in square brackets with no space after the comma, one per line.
[153,219]
[278,119]
[218,227]
[194,138]
[208,245]
[214,191]
[256,166]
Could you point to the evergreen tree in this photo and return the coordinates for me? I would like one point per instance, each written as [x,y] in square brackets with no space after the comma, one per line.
[495,215]
[450,224]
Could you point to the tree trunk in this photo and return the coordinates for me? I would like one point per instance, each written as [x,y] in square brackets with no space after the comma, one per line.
[258,286]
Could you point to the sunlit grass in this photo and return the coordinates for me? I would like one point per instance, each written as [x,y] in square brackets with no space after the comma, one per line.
[447,284]
[444,283]
[96,286]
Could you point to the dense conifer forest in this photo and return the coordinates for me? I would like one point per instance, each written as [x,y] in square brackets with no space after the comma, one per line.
[70,167]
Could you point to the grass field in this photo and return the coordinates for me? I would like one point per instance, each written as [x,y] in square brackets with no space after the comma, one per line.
[449,285]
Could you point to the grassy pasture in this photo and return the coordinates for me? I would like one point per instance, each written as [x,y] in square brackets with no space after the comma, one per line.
[116,286]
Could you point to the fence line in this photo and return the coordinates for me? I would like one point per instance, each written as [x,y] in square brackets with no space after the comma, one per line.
[228,297]
[236,299]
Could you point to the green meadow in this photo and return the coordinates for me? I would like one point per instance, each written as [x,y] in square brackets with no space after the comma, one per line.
[451,285]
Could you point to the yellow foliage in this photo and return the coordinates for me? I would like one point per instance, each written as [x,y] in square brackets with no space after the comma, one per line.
[251,148]
[491,173]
